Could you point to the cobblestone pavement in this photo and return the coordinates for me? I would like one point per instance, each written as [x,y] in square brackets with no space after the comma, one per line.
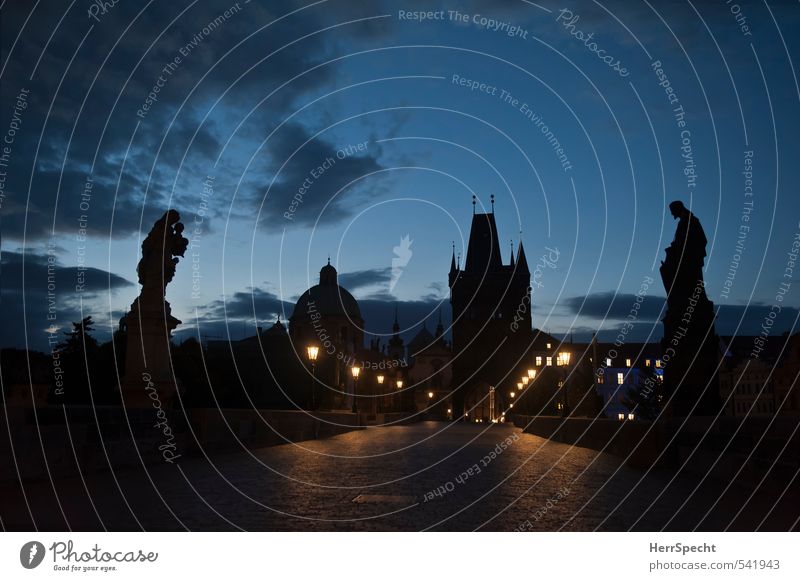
[430,475]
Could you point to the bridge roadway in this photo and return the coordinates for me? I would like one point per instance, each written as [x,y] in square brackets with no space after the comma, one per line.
[434,476]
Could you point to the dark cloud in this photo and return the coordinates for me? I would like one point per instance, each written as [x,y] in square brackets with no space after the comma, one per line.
[748,320]
[610,305]
[731,319]
[89,125]
[24,307]
[317,167]
[365,278]
[247,304]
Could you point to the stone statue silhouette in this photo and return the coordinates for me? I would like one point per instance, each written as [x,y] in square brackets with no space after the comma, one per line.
[160,252]
[149,323]
[689,343]
[682,268]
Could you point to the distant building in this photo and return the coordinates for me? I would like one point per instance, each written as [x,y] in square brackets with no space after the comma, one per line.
[486,296]
[259,371]
[328,316]
[620,369]
[747,389]
[787,391]
[430,372]
[763,385]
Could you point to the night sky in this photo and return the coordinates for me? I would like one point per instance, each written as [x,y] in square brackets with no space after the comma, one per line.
[285,132]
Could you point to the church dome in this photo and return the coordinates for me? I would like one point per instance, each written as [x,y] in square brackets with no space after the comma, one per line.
[327,298]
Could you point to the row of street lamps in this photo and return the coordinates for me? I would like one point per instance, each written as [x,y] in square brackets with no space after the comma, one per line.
[312,351]
[563,358]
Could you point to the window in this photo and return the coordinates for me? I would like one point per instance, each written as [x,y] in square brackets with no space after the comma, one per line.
[548,345]
[539,360]
[627,363]
[608,361]
[600,379]
[620,378]
[658,362]
[647,362]
[549,360]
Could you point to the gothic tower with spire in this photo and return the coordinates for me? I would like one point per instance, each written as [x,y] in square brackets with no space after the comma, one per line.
[492,326]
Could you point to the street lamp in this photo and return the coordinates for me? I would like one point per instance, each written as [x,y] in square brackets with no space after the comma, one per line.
[513,394]
[565,357]
[377,404]
[430,395]
[313,352]
[380,402]
[399,384]
[356,371]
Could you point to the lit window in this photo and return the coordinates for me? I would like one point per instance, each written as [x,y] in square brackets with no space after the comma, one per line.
[539,360]
[620,378]
[658,362]
[647,362]
[608,361]
[548,345]
[627,363]
[600,379]
[549,360]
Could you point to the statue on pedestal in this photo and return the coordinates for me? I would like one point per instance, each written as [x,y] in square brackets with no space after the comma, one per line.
[690,342]
[150,322]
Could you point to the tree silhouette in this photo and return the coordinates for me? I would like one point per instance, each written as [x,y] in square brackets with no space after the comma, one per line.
[78,352]
[79,340]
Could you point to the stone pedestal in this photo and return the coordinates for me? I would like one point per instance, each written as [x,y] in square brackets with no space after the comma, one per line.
[690,352]
[149,380]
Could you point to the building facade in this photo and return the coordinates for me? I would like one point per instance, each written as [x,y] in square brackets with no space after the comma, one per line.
[491,310]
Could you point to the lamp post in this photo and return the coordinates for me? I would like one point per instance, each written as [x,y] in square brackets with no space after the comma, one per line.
[528,381]
[564,358]
[356,371]
[313,352]
[399,387]
[380,378]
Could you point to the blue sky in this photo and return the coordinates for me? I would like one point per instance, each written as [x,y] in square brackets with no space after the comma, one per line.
[264,97]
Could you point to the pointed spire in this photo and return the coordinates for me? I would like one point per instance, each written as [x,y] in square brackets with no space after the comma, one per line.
[492,199]
[453,260]
[511,243]
[522,261]
[440,326]
[474,202]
